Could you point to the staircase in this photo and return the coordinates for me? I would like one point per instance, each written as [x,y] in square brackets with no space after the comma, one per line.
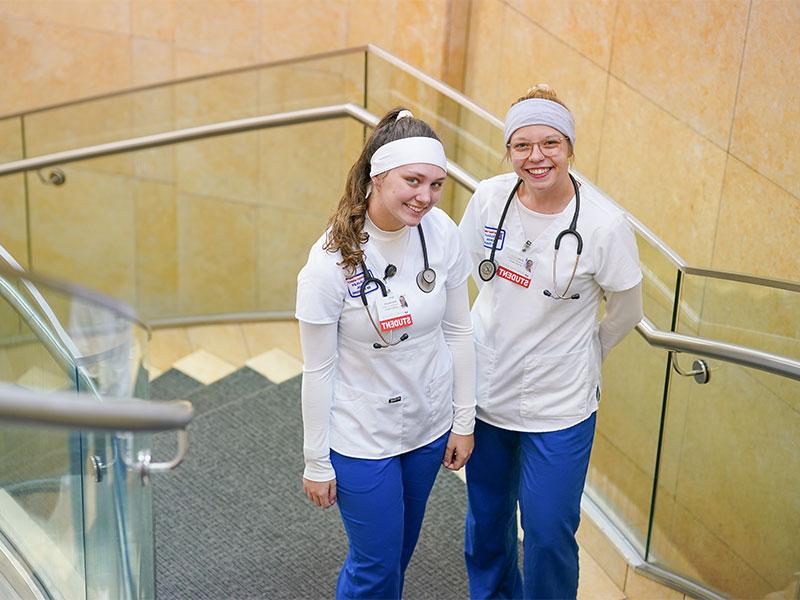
[233,521]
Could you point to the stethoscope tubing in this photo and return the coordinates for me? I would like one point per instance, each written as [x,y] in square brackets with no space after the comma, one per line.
[426,280]
[488,267]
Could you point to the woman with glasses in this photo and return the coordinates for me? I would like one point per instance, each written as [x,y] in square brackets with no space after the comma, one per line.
[389,362]
[547,248]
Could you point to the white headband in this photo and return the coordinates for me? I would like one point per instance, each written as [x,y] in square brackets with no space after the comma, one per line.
[539,111]
[408,151]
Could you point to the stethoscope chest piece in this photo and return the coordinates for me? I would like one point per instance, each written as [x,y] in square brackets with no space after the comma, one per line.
[486,269]
[426,280]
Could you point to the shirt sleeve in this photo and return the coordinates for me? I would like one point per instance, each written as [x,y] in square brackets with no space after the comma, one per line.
[617,259]
[319,343]
[459,266]
[320,289]
[623,312]
[457,329]
[471,230]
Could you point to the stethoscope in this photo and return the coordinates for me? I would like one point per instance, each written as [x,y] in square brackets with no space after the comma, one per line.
[488,267]
[426,281]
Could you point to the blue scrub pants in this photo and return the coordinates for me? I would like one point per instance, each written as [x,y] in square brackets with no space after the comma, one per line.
[546,472]
[382,503]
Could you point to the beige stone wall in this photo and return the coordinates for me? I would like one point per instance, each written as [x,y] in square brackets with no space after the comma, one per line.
[204,227]
[688,111]
[67,49]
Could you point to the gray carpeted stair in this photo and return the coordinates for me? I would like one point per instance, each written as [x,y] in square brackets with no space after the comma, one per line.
[232,521]
[172,385]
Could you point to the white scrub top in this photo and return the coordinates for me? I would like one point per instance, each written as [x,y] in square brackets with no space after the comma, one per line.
[391,400]
[538,358]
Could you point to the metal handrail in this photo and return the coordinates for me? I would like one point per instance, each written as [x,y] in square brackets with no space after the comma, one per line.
[83,411]
[60,353]
[462,101]
[733,353]
[309,115]
[77,291]
[779,365]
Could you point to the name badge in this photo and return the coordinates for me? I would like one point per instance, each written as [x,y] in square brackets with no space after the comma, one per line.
[517,268]
[393,312]
[354,285]
[488,237]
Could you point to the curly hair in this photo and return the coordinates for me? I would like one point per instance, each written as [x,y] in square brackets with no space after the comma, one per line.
[346,226]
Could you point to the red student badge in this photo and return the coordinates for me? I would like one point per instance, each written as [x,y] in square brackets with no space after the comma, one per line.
[518,268]
[393,313]
[513,276]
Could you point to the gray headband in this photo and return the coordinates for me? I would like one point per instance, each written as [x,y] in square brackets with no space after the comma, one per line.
[538,111]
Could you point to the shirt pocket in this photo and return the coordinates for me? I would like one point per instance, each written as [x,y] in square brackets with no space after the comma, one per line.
[484,366]
[365,422]
[439,392]
[555,386]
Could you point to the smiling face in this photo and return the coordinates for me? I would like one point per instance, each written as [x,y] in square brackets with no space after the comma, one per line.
[540,157]
[402,196]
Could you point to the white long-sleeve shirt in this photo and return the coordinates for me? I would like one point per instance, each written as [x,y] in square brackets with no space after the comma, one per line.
[539,356]
[373,403]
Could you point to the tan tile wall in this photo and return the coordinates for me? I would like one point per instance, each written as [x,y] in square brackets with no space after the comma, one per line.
[67,49]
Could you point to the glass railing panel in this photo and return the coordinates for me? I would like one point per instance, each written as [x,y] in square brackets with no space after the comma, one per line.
[313,82]
[198,101]
[79,521]
[41,511]
[225,229]
[727,508]
[13,228]
[729,447]
[118,507]
[472,142]
[623,463]
[756,316]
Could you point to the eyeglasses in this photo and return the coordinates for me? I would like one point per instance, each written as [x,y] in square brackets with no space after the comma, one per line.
[549,146]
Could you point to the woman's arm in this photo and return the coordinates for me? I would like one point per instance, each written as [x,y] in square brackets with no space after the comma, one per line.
[457,328]
[319,343]
[623,312]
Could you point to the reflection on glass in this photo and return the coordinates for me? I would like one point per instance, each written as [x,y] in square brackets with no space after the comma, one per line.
[727,507]
[66,503]
[728,503]
[622,467]
[40,475]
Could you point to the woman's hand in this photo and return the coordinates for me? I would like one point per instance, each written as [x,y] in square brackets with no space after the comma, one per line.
[321,493]
[458,451]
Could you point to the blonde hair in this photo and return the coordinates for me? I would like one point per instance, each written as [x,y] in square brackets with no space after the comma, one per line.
[346,226]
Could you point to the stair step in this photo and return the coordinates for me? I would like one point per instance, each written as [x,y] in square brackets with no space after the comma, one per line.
[204,366]
[173,385]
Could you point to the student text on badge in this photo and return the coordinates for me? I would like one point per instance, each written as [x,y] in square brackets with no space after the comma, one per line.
[509,275]
[396,323]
